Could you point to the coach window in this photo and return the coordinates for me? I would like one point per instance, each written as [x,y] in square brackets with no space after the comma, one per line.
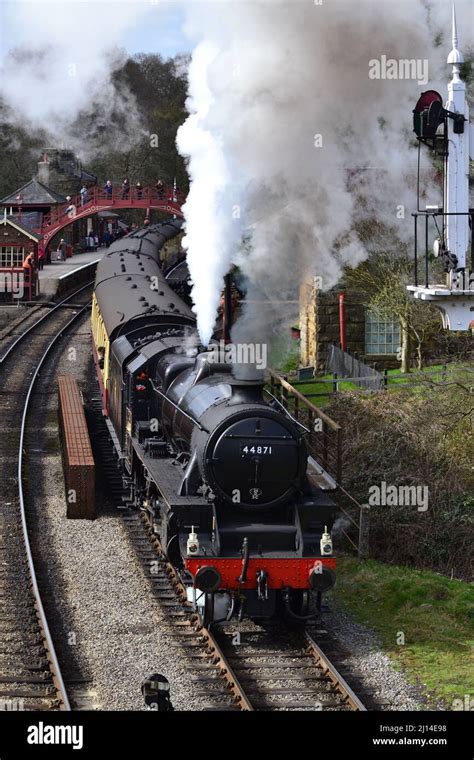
[382,336]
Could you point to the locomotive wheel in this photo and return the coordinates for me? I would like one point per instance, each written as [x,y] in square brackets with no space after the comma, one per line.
[302,599]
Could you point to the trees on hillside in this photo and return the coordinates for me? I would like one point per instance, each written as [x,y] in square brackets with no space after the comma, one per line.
[17,149]
[159,95]
[131,135]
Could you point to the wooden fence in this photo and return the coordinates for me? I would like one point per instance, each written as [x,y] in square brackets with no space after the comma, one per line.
[324,442]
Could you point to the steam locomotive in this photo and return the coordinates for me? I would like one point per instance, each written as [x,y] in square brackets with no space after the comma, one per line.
[218,465]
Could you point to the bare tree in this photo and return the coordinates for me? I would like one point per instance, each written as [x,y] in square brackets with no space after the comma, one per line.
[382,279]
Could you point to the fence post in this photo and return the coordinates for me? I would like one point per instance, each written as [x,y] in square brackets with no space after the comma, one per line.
[285,393]
[324,455]
[311,437]
[339,456]
[364,521]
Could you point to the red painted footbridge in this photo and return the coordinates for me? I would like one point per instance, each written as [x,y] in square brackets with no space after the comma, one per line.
[167,200]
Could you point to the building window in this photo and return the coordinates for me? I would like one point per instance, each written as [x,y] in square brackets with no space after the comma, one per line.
[11,255]
[382,336]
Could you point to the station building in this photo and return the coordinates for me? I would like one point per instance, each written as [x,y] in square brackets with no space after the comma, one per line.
[18,261]
[60,173]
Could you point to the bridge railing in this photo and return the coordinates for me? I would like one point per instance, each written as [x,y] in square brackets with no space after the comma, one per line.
[99,196]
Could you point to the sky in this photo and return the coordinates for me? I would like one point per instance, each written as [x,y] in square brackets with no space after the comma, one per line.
[157,26]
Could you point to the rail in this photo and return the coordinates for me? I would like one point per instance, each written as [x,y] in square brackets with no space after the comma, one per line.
[41,622]
[23,335]
[55,668]
[348,695]
[307,662]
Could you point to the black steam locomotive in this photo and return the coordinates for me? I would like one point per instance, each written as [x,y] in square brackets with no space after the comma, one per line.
[221,469]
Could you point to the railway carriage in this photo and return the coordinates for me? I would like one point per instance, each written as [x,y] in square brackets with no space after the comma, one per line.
[220,469]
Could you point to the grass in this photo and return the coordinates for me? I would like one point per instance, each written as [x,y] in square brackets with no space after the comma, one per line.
[434,614]
[319,393]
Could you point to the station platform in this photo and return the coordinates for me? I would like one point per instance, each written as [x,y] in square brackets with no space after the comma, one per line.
[53,274]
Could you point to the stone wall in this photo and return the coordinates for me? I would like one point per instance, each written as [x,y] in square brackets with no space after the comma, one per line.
[328,328]
[307,321]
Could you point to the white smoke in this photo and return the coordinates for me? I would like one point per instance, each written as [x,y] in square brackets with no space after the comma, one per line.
[266,80]
[63,66]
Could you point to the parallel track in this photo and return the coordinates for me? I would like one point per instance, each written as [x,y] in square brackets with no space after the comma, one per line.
[30,676]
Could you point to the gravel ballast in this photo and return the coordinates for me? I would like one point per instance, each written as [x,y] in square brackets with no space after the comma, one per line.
[388,687]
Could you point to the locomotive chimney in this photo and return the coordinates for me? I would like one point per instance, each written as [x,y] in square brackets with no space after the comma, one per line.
[248,383]
[248,373]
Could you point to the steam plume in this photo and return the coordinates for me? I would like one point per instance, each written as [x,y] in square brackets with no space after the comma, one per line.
[62,71]
[266,79]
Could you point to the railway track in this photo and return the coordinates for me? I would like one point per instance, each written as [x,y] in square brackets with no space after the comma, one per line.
[247,666]
[236,667]
[30,676]
[276,668]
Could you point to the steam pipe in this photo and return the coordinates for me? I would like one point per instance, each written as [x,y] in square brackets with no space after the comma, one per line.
[245,561]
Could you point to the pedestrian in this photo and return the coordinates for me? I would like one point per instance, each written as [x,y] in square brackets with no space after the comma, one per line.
[28,265]
[108,188]
[28,262]
[125,189]
[107,238]
[41,257]
[62,248]
[160,188]
[71,209]
[139,189]
[84,193]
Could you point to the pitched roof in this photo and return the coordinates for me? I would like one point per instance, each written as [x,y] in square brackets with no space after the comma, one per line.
[34,192]
[14,223]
